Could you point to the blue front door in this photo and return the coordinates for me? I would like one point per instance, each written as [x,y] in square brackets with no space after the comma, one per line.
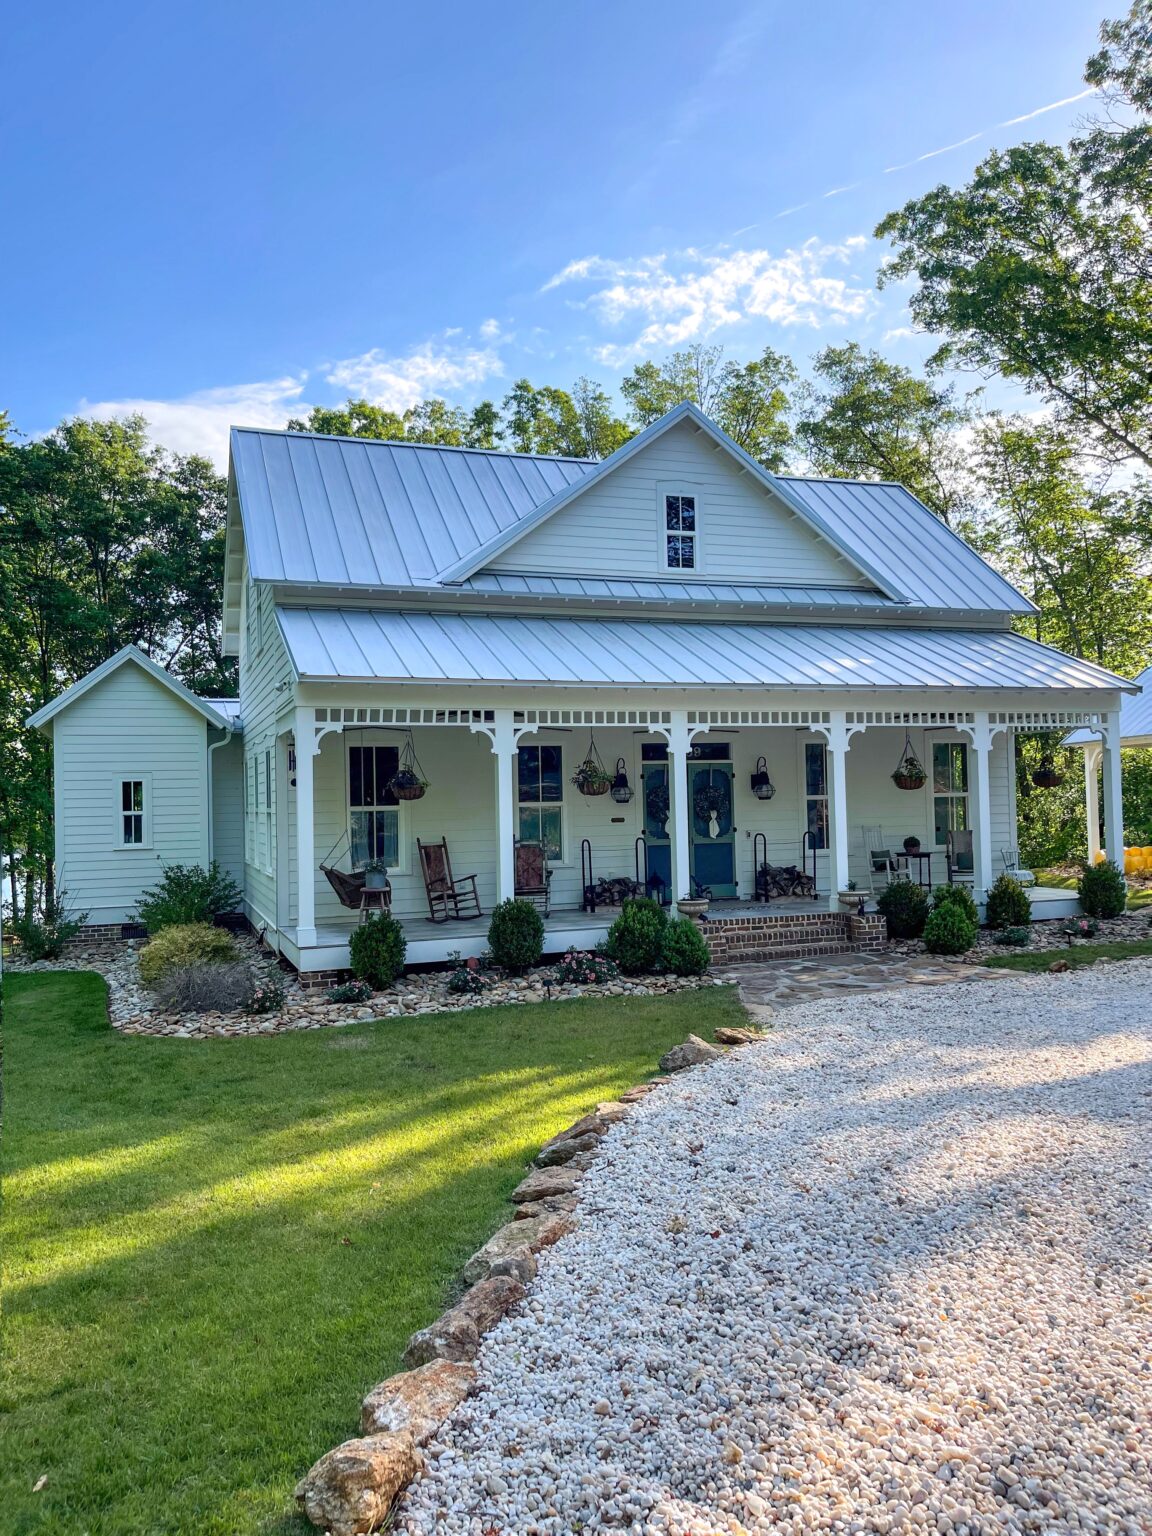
[712,833]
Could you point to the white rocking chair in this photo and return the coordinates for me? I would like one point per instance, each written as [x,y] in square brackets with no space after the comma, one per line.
[879,860]
[1013,866]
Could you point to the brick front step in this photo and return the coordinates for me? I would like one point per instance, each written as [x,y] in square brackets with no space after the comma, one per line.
[797,936]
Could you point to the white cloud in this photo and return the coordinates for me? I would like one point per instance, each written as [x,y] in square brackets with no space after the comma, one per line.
[490,330]
[898,333]
[686,295]
[399,382]
[199,423]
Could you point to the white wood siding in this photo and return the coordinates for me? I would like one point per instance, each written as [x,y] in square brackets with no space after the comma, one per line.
[265,704]
[127,726]
[744,534]
[228,807]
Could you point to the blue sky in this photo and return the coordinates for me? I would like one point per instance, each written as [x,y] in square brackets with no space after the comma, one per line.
[226,212]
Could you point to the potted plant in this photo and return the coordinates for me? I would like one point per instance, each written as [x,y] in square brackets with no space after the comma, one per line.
[408,782]
[591,779]
[692,906]
[1047,776]
[909,772]
[375,875]
[851,899]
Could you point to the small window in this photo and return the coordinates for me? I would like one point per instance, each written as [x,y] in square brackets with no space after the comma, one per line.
[540,793]
[132,812]
[267,810]
[680,532]
[949,789]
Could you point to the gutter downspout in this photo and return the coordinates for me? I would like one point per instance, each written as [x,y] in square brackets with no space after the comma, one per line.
[212,746]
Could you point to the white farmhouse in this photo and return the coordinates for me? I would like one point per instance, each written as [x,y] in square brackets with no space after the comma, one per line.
[433,641]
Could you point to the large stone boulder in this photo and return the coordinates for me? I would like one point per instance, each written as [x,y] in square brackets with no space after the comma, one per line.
[693,1053]
[565,1148]
[417,1402]
[533,1235]
[351,1489]
[546,1183]
[456,1335]
[729,1034]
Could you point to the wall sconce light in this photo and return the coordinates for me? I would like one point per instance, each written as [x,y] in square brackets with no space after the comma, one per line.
[621,790]
[762,786]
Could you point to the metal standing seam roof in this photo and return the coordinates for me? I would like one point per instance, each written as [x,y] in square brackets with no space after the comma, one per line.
[368,644]
[1135,717]
[350,512]
[624,588]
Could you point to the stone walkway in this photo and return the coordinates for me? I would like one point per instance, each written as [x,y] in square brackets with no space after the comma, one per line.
[775,984]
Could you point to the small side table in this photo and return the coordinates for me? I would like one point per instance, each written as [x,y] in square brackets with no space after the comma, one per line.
[375,900]
[923,867]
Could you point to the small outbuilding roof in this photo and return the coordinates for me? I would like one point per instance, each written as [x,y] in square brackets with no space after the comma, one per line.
[376,644]
[1135,718]
[222,713]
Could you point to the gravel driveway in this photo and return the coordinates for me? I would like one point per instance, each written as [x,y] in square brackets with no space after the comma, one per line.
[888,1271]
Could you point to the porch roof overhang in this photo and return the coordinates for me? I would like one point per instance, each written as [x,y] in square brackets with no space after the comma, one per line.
[1135,718]
[373,645]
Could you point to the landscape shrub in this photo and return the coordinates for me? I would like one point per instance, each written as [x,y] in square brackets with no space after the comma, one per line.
[185,945]
[188,893]
[349,992]
[904,908]
[960,897]
[205,988]
[377,949]
[1019,937]
[581,968]
[466,980]
[1082,928]
[948,931]
[43,937]
[636,938]
[266,992]
[1103,892]
[1008,905]
[685,953]
[516,936]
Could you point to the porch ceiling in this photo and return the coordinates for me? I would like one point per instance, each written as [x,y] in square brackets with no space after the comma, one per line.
[380,645]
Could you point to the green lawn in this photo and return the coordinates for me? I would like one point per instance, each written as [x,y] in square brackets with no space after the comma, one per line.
[1075,954]
[211,1249]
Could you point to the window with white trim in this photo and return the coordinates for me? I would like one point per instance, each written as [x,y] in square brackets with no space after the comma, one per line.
[949,789]
[680,531]
[133,813]
[373,809]
[540,796]
[250,810]
[267,809]
[816,793]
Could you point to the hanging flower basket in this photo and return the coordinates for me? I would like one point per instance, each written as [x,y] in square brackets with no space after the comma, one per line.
[762,786]
[910,772]
[1047,776]
[591,777]
[408,782]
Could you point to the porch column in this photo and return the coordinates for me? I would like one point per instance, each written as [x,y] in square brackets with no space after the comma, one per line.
[504,735]
[980,800]
[839,737]
[1092,753]
[306,748]
[679,745]
[1113,797]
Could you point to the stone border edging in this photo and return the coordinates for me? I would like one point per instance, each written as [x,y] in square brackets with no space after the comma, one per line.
[350,1490]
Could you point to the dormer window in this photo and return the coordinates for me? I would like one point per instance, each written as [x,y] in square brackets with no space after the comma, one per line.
[680,532]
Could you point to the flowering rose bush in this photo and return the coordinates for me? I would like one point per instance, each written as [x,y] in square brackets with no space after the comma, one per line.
[267,994]
[584,968]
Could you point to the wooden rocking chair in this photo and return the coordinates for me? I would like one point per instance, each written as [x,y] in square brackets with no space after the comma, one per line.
[447,897]
[533,877]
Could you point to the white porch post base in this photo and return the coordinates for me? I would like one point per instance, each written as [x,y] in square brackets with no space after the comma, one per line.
[980,798]
[1113,796]
[839,735]
[504,736]
[307,747]
[1092,754]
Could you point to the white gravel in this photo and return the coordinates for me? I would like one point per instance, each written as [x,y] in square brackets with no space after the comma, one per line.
[889,1271]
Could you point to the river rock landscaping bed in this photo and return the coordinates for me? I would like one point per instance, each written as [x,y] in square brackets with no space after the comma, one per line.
[1127,928]
[133,1009]
[885,1271]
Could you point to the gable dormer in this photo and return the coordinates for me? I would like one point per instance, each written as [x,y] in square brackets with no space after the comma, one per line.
[680,507]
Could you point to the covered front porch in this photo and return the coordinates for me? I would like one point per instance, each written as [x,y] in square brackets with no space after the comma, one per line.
[694,816]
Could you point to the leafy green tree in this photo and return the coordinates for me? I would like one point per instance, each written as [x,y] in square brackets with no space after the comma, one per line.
[355,418]
[435,421]
[864,418]
[749,401]
[1040,269]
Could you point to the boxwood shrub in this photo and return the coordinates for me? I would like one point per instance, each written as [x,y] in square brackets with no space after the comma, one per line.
[904,908]
[1008,905]
[377,949]
[516,936]
[1103,892]
[958,896]
[948,931]
[684,952]
[636,938]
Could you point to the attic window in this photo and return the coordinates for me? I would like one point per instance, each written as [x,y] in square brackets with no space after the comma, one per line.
[680,532]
